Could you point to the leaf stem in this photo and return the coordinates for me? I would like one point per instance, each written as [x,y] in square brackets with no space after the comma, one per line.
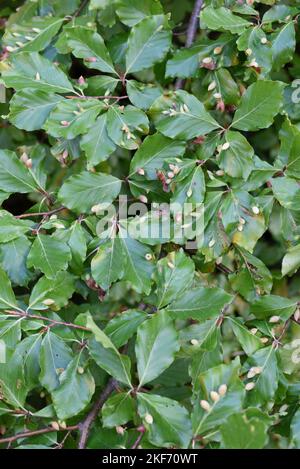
[277,340]
[80,9]
[41,431]
[118,98]
[54,322]
[40,214]
[141,431]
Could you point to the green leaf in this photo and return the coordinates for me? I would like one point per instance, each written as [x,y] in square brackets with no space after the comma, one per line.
[287,191]
[227,86]
[29,109]
[202,336]
[252,277]
[222,19]
[156,345]
[278,13]
[91,189]
[132,12]
[200,303]
[10,333]
[289,149]
[266,382]
[31,70]
[295,428]
[249,342]
[51,289]
[239,432]
[29,350]
[137,268]
[229,401]
[100,84]
[181,115]
[7,296]
[185,62]
[73,382]
[171,424]
[105,353]
[89,46]
[72,117]
[237,159]
[118,410]
[4,409]
[34,35]
[121,328]
[255,40]
[14,176]
[96,143]
[153,228]
[283,45]
[105,438]
[78,245]
[148,43]
[259,105]
[55,356]
[12,228]
[106,266]
[12,382]
[173,276]
[190,190]
[261,173]
[273,305]
[13,259]
[291,261]
[152,153]
[106,11]
[141,95]
[254,227]
[49,255]
[125,125]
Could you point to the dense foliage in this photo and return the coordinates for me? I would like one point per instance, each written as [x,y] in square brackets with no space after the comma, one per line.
[111,337]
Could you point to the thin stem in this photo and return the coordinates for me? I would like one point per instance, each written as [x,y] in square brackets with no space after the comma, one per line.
[139,438]
[61,444]
[85,425]
[41,431]
[277,340]
[190,34]
[44,318]
[223,268]
[81,8]
[40,214]
[118,98]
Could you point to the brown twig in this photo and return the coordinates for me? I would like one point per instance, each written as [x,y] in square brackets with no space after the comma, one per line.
[223,268]
[118,98]
[81,8]
[54,322]
[41,431]
[85,425]
[40,214]
[191,34]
